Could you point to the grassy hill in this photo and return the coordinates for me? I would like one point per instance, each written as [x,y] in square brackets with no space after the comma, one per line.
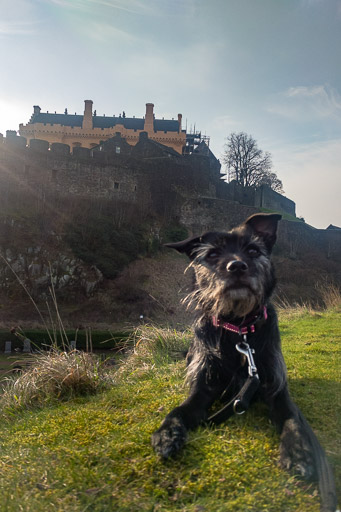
[93,452]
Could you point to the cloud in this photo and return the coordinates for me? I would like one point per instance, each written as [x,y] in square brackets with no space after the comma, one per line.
[133,6]
[17,18]
[303,103]
[13,28]
[104,32]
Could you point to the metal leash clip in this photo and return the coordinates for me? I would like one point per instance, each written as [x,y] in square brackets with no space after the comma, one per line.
[244,348]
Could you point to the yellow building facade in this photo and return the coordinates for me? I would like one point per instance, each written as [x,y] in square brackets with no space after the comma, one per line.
[89,129]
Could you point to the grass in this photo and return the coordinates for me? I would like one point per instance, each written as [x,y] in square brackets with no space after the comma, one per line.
[54,375]
[93,452]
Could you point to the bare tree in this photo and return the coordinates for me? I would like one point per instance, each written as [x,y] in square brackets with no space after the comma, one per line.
[249,165]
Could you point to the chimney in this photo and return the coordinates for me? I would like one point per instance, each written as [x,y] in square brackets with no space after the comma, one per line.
[149,119]
[36,109]
[87,118]
[179,121]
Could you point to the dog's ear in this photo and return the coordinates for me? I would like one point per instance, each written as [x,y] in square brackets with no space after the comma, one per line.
[187,246]
[265,225]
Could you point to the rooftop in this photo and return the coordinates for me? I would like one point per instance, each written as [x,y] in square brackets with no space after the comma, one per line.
[130,123]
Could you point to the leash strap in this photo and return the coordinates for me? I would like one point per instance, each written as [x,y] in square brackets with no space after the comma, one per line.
[240,403]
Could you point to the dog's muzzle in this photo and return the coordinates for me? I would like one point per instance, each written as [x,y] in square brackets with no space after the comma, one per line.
[237,266]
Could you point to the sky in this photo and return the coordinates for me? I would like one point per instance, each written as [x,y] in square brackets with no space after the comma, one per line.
[270,68]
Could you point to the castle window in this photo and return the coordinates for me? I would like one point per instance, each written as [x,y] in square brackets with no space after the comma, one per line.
[118,150]
[116,185]
[135,188]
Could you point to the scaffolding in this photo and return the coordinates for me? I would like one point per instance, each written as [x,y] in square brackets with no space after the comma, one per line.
[193,140]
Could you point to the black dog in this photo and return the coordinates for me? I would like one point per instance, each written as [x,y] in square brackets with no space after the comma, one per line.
[236,325]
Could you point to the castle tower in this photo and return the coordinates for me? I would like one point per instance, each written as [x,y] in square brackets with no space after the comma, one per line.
[149,119]
[87,118]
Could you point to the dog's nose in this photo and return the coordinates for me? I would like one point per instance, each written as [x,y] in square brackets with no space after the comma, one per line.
[237,266]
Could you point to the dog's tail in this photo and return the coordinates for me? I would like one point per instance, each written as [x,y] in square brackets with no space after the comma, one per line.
[324,472]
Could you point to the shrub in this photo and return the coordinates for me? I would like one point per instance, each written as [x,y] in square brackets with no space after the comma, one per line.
[97,242]
[174,233]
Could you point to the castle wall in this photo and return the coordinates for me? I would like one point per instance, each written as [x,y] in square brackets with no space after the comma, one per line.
[212,214]
[170,187]
[295,239]
[267,198]
[148,173]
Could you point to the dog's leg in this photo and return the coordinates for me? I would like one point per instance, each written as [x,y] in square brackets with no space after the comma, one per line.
[295,449]
[300,450]
[172,434]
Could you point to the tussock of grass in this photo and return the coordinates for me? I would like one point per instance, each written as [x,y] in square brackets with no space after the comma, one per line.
[152,347]
[54,375]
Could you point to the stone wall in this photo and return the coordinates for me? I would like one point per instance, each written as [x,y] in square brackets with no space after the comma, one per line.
[295,239]
[149,173]
[267,198]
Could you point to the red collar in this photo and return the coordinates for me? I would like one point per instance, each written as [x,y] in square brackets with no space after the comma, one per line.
[248,326]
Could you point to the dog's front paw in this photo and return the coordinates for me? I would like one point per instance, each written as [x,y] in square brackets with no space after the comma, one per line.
[169,438]
[295,451]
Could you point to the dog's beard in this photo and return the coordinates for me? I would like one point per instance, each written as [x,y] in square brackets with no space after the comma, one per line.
[219,297]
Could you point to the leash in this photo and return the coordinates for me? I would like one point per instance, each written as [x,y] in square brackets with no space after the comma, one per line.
[240,403]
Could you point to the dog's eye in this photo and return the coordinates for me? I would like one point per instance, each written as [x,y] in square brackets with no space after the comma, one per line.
[253,251]
[212,255]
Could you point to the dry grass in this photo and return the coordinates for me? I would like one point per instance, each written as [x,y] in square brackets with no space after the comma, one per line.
[55,375]
[330,294]
[330,300]
[154,346]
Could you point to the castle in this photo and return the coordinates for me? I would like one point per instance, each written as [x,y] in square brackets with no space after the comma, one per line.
[155,181]
[152,162]
[89,129]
